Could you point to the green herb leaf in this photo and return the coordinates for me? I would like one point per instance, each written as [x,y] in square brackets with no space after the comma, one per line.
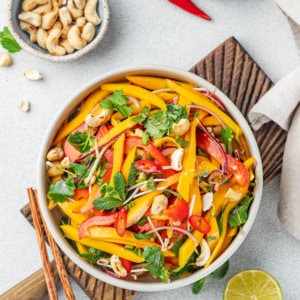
[132,175]
[142,115]
[117,101]
[78,169]
[181,142]
[155,263]
[8,42]
[143,236]
[145,138]
[221,271]
[198,286]
[227,136]
[239,215]
[94,254]
[120,185]
[157,124]
[106,203]
[151,184]
[61,190]
[80,140]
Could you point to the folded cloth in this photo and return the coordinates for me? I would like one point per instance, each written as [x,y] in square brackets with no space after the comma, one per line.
[281,105]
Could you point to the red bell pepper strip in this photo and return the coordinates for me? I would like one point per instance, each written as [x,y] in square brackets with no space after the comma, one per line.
[136,141]
[147,166]
[178,210]
[212,147]
[104,220]
[190,7]
[120,222]
[199,223]
[127,264]
[80,193]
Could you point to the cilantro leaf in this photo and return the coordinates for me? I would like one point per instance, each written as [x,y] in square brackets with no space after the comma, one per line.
[81,140]
[142,236]
[117,101]
[8,42]
[239,215]
[157,124]
[227,136]
[155,263]
[61,190]
[78,169]
[142,115]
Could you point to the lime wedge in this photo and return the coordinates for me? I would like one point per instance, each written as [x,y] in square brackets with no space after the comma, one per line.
[252,284]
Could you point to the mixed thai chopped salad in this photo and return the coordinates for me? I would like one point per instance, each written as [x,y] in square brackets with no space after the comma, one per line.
[152,176]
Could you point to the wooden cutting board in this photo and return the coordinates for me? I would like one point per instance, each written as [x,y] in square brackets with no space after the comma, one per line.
[230,68]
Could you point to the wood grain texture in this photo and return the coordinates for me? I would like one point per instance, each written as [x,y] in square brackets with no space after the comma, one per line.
[231,69]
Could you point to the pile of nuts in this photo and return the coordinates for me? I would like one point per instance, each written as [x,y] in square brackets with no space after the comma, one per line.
[60,26]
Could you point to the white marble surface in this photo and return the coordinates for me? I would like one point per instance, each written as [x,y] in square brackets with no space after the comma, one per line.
[140,32]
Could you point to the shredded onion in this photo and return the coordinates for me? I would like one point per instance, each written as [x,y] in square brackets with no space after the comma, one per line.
[161,90]
[212,97]
[133,100]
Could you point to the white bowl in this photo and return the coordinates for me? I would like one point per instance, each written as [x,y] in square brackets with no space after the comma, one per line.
[68,107]
[14,8]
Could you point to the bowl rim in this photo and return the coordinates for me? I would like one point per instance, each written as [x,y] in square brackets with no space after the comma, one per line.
[73,101]
[68,57]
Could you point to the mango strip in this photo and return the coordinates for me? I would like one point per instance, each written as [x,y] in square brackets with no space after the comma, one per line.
[86,107]
[230,205]
[214,235]
[127,163]
[118,156]
[188,170]
[109,234]
[188,247]
[202,100]
[137,92]
[116,130]
[112,248]
[167,139]
[195,192]
[68,209]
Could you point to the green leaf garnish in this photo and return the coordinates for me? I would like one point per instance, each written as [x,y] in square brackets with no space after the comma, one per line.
[142,236]
[239,215]
[80,140]
[78,169]
[221,271]
[198,286]
[227,136]
[61,190]
[8,42]
[117,101]
[142,115]
[120,185]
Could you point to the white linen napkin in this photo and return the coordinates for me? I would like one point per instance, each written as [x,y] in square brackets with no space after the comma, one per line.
[281,104]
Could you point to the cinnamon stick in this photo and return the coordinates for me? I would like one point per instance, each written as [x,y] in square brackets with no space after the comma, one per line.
[59,261]
[42,246]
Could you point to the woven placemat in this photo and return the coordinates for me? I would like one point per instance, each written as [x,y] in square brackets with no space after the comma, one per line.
[231,69]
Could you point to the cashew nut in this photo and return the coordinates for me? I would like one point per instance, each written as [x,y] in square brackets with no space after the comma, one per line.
[65,16]
[5,59]
[28,5]
[66,44]
[80,3]
[57,3]
[31,18]
[52,43]
[24,106]
[30,29]
[43,9]
[41,37]
[75,12]
[90,12]
[32,74]
[176,159]
[74,37]
[65,163]
[181,127]
[204,255]
[54,169]
[49,19]
[96,120]
[207,201]
[80,22]
[159,204]
[55,153]
[117,266]
[88,32]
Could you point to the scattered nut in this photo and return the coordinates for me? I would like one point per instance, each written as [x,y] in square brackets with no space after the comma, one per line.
[74,37]
[56,153]
[117,266]
[5,59]
[96,120]
[41,37]
[159,204]
[24,106]
[49,19]
[90,12]
[32,74]
[31,18]
[28,5]
[181,127]
[54,168]
[88,32]
[30,29]
[52,43]
[176,159]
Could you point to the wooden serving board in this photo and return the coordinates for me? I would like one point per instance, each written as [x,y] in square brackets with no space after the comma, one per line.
[231,69]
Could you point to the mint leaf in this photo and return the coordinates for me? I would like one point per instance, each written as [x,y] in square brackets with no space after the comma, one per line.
[227,136]
[221,271]
[239,215]
[155,263]
[61,190]
[117,101]
[8,42]
[132,175]
[198,286]
[120,185]
[142,236]
[106,203]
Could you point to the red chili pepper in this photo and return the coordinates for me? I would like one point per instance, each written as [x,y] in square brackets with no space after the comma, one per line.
[190,7]
[147,166]
[199,223]
[80,193]
[127,264]
[177,211]
[120,222]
